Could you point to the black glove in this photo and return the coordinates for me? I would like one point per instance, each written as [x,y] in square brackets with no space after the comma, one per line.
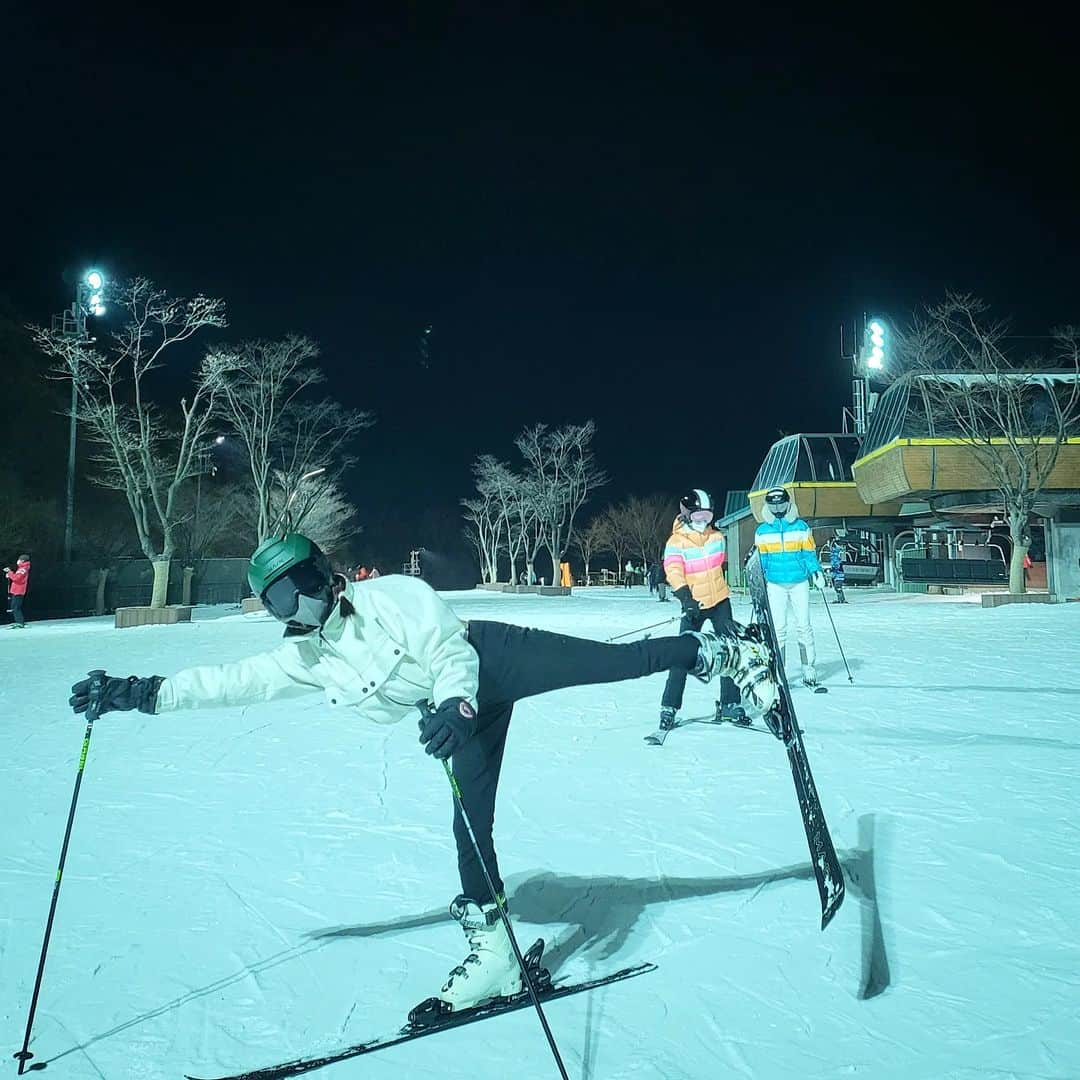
[446,729]
[690,607]
[119,694]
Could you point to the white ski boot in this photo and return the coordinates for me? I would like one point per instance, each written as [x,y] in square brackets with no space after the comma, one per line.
[490,970]
[744,656]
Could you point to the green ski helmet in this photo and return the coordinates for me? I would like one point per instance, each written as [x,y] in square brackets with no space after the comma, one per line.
[294,580]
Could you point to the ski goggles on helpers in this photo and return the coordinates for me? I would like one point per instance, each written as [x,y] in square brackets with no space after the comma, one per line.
[307,578]
[701,517]
[779,497]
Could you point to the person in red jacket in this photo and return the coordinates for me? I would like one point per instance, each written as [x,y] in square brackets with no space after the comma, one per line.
[18,581]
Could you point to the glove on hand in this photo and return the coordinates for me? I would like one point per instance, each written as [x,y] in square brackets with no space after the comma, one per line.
[119,694]
[446,729]
[817,580]
[690,607]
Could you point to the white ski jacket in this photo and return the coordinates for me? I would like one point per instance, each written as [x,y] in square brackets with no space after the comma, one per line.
[387,644]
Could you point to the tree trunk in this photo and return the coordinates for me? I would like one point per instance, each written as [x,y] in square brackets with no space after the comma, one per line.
[99,603]
[1016,566]
[160,595]
[1021,542]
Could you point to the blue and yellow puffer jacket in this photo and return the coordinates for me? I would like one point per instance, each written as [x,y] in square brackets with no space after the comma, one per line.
[786,545]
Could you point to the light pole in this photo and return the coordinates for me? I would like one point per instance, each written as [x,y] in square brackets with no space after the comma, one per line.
[204,460]
[871,357]
[71,324]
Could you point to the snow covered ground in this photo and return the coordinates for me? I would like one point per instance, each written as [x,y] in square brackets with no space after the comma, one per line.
[248,885]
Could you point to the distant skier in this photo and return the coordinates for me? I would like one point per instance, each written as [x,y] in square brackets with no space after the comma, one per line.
[836,570]
[694,558]
[658,581]
[790,563]
[380,646]
[18,584]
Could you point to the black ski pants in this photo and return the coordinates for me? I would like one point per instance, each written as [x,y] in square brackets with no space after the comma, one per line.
[17,609]
[518,662]
[720,617]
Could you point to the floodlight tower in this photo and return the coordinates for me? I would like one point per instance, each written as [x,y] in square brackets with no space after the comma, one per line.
[871,357]
[71,323]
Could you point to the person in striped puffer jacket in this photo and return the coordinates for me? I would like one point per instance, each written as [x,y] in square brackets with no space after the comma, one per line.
[790,563]
[694,558]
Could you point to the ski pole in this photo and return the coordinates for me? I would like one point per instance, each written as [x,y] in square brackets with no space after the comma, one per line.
[642,629]
[97,688]
[850,677]
[426,708]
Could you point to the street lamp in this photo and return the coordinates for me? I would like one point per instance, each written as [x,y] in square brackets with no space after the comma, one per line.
[71,324]
[206,465]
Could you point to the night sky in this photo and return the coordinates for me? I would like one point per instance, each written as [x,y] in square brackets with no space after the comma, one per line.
[655,220]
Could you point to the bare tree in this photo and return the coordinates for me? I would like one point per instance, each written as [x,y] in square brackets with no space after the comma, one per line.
[498,482]
[528,526]
[315,505]
[28,523]
[618,538]
[646,524]
[286,437]
[592,539]
[213,522]
[564,471]
[144,454]
[1014,415]
[483,530]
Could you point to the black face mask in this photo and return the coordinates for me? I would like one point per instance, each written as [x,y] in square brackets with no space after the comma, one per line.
[780,508]
[303,596]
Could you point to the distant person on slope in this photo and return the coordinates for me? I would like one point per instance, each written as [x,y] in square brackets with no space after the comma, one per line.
[789,562]
[18,583]
[836,570]
[658,581]
[694,558]
[384,648]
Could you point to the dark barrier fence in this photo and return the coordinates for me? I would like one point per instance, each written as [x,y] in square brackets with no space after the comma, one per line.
[956,571]
[93,588]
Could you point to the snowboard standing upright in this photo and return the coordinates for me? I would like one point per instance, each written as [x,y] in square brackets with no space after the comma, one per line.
[785,726]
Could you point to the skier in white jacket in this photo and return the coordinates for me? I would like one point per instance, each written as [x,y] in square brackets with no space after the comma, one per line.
[390,646]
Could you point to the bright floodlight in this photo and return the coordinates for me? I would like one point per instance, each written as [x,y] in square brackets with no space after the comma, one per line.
[99,310]
[96,299]
[95,279]
[220,439]
[877,338]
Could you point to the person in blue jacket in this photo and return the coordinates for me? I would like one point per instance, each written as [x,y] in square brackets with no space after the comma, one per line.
[836,570]
[790,563]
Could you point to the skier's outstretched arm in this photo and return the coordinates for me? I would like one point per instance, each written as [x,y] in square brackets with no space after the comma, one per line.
[276,674]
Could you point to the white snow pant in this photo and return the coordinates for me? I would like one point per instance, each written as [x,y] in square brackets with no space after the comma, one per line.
[796,598]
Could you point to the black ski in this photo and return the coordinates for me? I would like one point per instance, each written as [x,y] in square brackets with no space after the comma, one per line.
[657,737]
[722,723]
[783,723]
[546,991]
